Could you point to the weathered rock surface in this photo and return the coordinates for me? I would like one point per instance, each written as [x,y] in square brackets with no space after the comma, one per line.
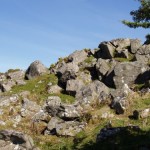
[130,73]
[13,140]
[137,114]
[6,100]
[91,93]
[16,75]
[73,86]
[35,69]
[78,56]
[29,108]
[64,128]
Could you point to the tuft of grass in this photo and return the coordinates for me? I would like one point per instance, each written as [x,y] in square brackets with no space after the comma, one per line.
[89,59]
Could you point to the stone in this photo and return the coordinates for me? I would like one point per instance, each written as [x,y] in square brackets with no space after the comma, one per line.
[68,75]
[142,58]
[7,85]
[102,67]
[70,112]
[85,77]
[64,128]
[106,51]
[16,75]
[120,104]
[6,100]
[41,115]
[24,94]
[90,93]
[137,114]
[78,56]
[35,69]
[135,45]
[29,108]
[123,53]
[67,67]
[130,73]
[54,89]
[73,86]
[11,140]
[52,105]
[20,82]
[121,43]
[144,50]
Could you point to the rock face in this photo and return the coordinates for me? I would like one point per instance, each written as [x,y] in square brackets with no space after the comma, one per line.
[73,86]
[78,56]
[90,93]
[12,140]
[130,73]
[35,69]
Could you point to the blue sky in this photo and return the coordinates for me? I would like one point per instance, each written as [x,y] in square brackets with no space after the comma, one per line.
[48,29]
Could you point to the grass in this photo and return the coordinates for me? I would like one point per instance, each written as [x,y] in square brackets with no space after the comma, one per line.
[89,59]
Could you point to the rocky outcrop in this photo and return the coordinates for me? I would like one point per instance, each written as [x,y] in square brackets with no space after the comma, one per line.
[93,78]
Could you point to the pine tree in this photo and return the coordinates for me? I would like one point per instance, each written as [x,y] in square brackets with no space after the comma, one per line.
[141,18]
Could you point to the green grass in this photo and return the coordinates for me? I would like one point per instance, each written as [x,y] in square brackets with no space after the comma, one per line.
[89,59]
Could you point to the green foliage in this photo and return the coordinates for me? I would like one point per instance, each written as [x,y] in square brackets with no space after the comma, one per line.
[89,59]
[141,17]
[12,70]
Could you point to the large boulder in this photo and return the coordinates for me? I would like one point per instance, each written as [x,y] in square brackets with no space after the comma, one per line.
[13,140]
[78,56]
[66,67]
[2,77]
[91,93]
[52,105]
[109,49]
[102,67]
[135,45]
[130,73]
[73,86]
[35,69]
[70,112]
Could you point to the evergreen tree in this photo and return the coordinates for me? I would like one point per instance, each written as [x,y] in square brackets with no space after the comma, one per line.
[141,18]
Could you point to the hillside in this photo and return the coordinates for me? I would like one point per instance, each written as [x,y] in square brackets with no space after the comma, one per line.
[92,99]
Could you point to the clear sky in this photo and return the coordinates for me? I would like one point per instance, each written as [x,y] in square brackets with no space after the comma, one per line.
[48,29]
